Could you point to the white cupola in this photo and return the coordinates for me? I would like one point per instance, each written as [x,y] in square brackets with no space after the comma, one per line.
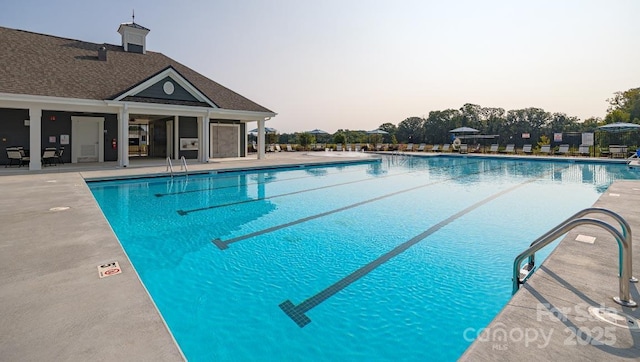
[133,37]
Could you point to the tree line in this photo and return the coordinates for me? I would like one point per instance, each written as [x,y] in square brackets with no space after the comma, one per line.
[507,126]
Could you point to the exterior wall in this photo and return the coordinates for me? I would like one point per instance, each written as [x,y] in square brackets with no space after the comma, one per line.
[56,123]
[157,91]
[13,132]
[188,128]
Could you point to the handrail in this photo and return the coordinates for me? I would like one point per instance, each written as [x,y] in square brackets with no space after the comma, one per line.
[184,164]
[624,226]
[624,247]
[169,166]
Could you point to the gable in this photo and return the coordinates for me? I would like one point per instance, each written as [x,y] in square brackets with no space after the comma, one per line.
[168,89]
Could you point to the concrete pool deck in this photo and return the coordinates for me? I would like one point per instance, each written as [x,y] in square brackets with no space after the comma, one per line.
[55,307]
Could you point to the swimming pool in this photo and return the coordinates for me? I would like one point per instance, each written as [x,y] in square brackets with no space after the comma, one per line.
[385,260]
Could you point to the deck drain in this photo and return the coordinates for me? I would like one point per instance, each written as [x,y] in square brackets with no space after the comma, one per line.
[59,208]
[614,195]
[109,269]
[616,318]
[52,180]
[586,239]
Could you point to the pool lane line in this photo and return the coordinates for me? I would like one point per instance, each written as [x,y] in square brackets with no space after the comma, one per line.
[182,212]
[224,244]
[297,312]
[186,212]
[247,184]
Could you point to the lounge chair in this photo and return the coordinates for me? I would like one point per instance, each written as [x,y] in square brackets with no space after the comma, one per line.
[339,147]
[289,148]
[278,149]
[409,148]
[511,148]
[463,148]
[348,147]
[435,148]
[16,155]
[421,147]
[618,151]
[526,149]
[445,147]
[563,150]
[493,148]
[378,146]
[49,156]
[358,148]
[59,155]
[545,149]
[583,150]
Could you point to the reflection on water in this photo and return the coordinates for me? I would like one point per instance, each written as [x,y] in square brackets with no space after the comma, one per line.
[159,217]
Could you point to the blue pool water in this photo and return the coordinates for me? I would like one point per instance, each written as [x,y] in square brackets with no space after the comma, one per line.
[390,260]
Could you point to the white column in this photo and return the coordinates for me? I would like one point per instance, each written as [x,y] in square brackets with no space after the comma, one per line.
[199,122]
[123,137]
[176,138]
[206,141]
[35,138]
[246,141]
[261,140]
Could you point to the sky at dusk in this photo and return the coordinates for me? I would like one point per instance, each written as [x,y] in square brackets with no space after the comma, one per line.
[355,64]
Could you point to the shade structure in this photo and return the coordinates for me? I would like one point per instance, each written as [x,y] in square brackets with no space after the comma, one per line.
[619,127]
[266,130]
[464,130]
[318,131]
[377,131]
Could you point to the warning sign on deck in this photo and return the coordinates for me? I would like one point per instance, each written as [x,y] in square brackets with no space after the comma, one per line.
[109,269]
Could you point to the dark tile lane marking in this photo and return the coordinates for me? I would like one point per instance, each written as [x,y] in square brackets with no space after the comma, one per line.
[186,212]
[224,244]
[297,312]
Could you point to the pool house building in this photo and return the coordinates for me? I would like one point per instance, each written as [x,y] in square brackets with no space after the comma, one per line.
[101,102]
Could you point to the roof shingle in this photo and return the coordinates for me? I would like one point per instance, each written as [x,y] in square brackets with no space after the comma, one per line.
[38,64]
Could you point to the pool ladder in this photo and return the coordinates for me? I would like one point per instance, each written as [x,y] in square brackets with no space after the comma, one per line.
[183,166]
[520,275]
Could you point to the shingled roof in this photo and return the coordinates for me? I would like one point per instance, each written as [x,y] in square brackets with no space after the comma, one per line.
[45,65]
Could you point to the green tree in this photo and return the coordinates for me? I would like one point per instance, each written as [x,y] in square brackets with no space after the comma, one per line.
[624,107]
[411,130]
[391,130]
[271,138]
[534,121]
[305,139]
[617,115]
[439,123]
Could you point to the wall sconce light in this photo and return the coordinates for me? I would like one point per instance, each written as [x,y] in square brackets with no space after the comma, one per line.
[27,122]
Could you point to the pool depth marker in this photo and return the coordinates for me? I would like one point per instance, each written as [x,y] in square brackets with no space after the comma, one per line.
[297,312]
